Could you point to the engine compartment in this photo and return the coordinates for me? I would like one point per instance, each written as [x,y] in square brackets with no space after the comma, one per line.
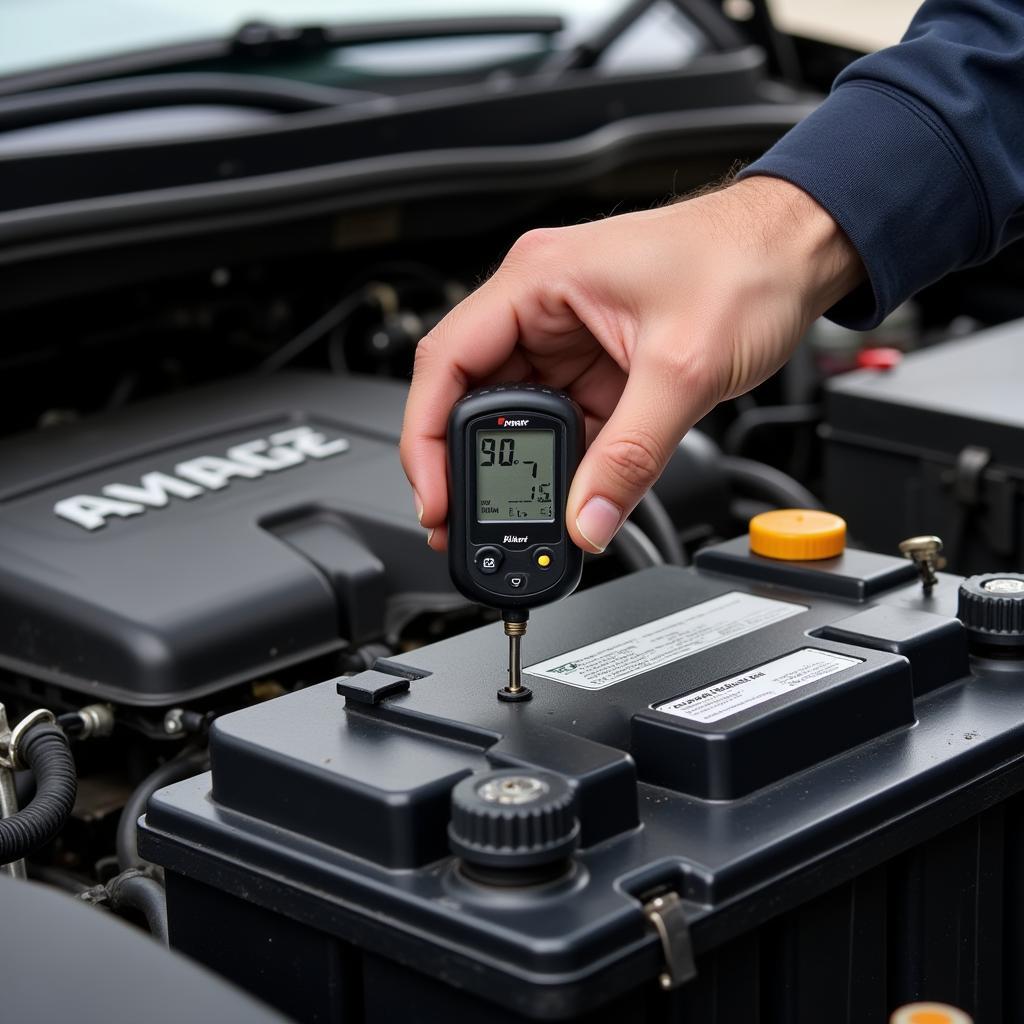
[206,353]
[167,600]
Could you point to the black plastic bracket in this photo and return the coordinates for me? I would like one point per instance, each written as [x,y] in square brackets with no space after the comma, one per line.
[371,687]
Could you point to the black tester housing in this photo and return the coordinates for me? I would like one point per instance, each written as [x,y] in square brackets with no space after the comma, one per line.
[512,452]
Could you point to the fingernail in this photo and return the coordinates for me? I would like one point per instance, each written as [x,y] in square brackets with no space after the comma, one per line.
[419,506]
[430,537]
[598,520]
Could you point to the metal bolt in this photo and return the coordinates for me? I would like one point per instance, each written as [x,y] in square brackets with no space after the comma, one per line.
[172,721]
[97,720]
[515,789]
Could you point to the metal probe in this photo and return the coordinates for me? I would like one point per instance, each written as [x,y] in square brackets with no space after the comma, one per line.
[515,627]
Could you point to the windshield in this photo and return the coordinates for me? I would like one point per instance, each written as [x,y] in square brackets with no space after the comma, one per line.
[40,33]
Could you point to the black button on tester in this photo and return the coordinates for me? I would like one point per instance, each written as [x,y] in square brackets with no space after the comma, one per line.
[488,560]
[512,453]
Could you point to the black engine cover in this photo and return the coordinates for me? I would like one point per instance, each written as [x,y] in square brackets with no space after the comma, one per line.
[189,543]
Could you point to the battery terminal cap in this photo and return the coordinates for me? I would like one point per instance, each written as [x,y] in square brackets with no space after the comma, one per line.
[797,534]
[991,607]
[508,820]
[929,1013]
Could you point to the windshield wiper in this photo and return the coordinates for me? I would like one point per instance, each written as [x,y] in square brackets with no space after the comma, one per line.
[257,43]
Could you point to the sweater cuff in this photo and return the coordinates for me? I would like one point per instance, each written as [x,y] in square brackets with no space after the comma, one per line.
[895,180]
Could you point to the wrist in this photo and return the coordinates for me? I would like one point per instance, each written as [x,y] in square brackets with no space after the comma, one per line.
[801,237]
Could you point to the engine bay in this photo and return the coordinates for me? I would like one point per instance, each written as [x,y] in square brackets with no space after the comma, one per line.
[214,586]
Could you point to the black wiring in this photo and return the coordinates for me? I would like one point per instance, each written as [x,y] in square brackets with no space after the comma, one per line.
[335,316]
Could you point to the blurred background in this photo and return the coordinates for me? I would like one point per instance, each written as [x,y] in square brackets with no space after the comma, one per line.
[28,36]
[195,189]
[865,24]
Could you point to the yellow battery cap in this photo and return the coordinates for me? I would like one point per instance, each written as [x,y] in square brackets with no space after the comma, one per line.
[797,534]
[929,1013]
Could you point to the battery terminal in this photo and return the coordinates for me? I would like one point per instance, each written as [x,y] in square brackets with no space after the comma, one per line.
[926,553]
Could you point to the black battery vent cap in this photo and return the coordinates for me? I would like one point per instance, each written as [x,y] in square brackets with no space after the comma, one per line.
[992,608]
[514,826]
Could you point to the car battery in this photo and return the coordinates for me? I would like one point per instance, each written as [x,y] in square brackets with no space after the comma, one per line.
[941,436]
[753,790]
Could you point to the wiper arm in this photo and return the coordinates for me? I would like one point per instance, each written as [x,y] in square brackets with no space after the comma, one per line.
[258,42]
[262,40]
[147,92]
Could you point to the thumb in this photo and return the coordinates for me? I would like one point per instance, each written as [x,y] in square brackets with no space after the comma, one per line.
[629,453]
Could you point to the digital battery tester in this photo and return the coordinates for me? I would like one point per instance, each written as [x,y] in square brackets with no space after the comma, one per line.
[512,452]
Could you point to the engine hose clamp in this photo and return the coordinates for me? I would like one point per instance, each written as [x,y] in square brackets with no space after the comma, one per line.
[18,733]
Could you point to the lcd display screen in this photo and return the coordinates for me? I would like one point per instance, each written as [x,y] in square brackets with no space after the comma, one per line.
[515,476]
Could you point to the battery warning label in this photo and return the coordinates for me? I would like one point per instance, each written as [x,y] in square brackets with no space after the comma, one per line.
[664,640]
[757,685]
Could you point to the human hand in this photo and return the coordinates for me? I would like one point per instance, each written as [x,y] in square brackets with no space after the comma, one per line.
[647,320]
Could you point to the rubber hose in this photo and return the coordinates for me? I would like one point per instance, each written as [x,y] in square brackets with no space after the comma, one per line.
[45,750]
[184,766]
[744,509]
[652,517]
[767,483]
[135,890]
[634,548]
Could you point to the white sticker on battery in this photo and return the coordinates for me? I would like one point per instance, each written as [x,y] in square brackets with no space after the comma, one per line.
[757,685]
[670,638]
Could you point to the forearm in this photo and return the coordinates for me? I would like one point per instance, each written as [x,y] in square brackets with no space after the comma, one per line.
[917,154]
[801,238]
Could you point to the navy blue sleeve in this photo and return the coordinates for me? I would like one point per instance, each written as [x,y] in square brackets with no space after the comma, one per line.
[918,153]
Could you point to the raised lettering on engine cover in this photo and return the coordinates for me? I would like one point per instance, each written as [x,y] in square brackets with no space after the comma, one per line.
[194,477]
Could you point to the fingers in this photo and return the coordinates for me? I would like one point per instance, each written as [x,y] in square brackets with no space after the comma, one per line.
[516,367]
[662,399]
[437,538]
[475,340]
[597,389]
[515,323]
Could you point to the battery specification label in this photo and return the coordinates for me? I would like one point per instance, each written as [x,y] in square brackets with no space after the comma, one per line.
[664,640]
[757,685]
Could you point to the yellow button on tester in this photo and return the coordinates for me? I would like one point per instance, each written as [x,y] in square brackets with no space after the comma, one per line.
[543,559]
[797,535]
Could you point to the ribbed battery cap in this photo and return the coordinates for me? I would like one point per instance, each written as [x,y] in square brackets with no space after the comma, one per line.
[992,608]
[513,818]
[797,534]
